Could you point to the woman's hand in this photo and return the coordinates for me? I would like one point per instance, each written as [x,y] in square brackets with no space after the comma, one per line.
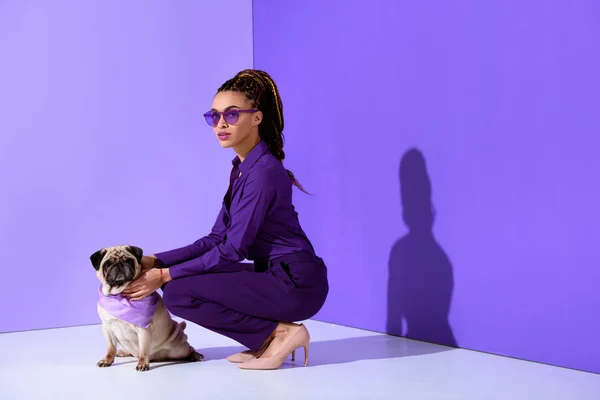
[149,282]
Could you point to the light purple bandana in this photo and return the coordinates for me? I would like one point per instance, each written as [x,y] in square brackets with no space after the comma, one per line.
[137,312]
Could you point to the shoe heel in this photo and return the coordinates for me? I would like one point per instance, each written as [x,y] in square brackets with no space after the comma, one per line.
[306,355]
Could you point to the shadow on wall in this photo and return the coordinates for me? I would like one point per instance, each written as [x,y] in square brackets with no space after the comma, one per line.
[420,282]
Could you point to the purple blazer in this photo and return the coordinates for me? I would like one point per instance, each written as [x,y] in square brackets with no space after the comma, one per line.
[257,221]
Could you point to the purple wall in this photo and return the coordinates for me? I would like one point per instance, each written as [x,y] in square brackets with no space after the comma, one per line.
[485,112]
[102,140]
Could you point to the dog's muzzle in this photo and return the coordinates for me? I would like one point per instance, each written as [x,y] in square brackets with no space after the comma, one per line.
[118,274]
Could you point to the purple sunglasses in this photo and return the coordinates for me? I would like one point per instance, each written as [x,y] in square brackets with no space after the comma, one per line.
[231,116]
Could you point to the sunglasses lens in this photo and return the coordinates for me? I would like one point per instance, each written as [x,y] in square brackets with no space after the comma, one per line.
[231,116]
[212,118]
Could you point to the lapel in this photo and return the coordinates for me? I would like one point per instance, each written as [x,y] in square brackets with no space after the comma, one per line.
[240,170]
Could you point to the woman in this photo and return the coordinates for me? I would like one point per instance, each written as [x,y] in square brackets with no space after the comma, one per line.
[205,282]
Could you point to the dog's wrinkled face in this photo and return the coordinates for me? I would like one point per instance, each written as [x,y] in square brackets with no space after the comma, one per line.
[116,267]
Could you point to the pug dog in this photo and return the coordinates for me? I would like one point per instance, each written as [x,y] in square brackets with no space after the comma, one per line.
[142,328]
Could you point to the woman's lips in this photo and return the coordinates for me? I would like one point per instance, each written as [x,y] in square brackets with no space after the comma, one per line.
[223,135]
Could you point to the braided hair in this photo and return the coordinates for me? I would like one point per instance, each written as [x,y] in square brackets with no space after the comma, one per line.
[260,88]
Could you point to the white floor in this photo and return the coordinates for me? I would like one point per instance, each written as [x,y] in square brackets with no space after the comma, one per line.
[344,363]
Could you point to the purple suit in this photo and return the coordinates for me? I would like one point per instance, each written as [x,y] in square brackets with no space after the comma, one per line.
[258,222]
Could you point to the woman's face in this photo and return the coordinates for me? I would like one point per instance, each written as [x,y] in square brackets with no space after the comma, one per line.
[234,132]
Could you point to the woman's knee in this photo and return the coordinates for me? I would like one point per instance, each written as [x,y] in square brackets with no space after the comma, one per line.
[179,294]
[172,296]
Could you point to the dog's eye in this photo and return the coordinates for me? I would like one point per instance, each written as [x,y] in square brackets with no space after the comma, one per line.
[130,262]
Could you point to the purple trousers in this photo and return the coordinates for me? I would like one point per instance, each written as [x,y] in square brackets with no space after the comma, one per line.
[247,302]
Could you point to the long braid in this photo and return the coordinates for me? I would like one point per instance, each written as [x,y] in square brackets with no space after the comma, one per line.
[260,88]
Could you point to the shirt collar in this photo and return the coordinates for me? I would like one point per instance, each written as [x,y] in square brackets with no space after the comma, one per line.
[255,154]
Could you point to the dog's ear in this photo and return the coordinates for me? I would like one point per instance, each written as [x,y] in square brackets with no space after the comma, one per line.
[97,257]
[136,251]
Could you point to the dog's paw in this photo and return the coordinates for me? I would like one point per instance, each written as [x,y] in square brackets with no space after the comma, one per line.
[123,353]
[104,363]
[142,366]
[195,356]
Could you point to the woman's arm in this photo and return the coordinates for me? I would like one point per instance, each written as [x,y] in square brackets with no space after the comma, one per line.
[247,216]
[169,258]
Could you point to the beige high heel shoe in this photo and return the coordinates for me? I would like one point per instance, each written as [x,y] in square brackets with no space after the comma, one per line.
[242,357]
[300,338]
[248,354]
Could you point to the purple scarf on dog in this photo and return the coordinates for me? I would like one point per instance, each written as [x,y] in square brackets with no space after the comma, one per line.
[138,312]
